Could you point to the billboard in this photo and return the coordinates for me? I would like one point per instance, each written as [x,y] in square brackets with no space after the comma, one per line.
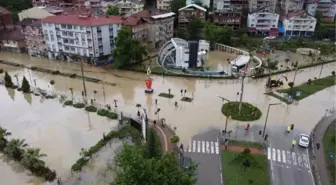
[193,53]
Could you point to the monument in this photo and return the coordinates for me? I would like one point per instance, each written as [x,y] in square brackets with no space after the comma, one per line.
[148,82]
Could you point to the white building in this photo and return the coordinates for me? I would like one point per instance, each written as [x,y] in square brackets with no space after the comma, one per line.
[288,6]
[205,3]
[163,4]
[257,4]
[84,35]
[326,7]
[127,7]
[263,21]
[299,24]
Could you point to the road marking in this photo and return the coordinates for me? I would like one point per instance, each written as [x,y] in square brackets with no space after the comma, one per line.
[203,146]
[279,155]
[311,174]
[284,156]
[289,157]
[269,153]
[212,147]
[299,160]
[189,146]
[305,161]
[194,146]
[273,154]
[294,158]
[217,148]
[207,147]
[199,146]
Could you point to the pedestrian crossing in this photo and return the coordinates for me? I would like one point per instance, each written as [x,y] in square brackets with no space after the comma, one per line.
[205,147]
[287,157]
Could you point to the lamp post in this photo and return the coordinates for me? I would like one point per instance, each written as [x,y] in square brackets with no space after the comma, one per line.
[269,106]
[227,117]
[158,113]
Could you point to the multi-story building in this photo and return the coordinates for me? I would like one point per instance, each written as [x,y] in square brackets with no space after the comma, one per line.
[188,12]
[257,4]
[34,40]
[80,34]
[231,17]
[45,2]
[288,6]
[37,13]
[163,4]
[6,21]
[299,24]
[139,24]
[263,21]
[225,5]
[204,3]
[95,4]
[327,8]
[128,7]
[12,40]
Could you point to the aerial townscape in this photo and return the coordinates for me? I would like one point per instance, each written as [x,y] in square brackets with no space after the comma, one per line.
[167,92]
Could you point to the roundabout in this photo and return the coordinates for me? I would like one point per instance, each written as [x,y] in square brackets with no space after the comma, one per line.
[248,111]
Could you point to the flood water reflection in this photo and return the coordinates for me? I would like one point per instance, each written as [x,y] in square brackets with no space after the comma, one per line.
[61,132]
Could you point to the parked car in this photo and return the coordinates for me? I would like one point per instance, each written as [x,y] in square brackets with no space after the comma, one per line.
[304,140]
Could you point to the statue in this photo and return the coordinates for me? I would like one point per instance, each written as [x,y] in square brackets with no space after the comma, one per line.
[148,82]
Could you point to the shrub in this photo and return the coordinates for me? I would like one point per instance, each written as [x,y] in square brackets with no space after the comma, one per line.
[187,99]
[91,108]
[55,72]
[50,96]
[112,115]
[333,73]
[8,80]
[73,76]
[248,111]
[174,139]
[69,102]
[79,105]
[25,85]
[19,89]
[102,112]
[291,84]
[33,68]
[166,95]
[1,70]
[52,82]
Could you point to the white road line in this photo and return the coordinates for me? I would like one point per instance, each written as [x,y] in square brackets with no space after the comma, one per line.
[273,154]
[217,147]
[311,174]
[194,146]
[299,160]
[272,165]
[203,146]
[189,146]
[199,146]
[207,147]
[305,161]
[279,155]
[289,157]
[269,153]
[294,158]
[212,147]
[284,156]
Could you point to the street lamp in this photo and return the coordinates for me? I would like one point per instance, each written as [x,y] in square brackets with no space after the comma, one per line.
[158,113]
[269,106]
[227,117]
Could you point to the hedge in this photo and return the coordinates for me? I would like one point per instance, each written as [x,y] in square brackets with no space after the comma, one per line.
[248,111]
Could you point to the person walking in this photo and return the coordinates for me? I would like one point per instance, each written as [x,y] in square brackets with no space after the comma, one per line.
[293,142]
[288,128]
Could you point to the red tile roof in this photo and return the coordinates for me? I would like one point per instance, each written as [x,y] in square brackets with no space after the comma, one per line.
[136,18]
[76,19]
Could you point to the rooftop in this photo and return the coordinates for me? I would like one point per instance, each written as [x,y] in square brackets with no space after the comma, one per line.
[193,6]
[13,34]
[4,10]
[146,16]
[30,22]
[83,19]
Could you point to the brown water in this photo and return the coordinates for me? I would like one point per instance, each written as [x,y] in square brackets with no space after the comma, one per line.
[61,131]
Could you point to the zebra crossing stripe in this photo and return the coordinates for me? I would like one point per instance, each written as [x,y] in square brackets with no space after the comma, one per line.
[299,160]
[207,147]
[212,147]
[284,156]
[305,161]
[294,158]
[269,153]
[199,146]
[279,155]
[203,146]
[273,154]
[289,157]
[217,147]
[189,146]
[194,146]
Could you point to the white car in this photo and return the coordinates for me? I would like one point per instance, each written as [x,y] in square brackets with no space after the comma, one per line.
[304,140]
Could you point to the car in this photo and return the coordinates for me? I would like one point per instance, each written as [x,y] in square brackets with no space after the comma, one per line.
[304,140]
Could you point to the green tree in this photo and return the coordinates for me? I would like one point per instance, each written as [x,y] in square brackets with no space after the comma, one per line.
[195,28]
[25,85]
[182,33]
[16,6]
[153,145]
[31,159]
[213,33]
[14,148]
[133,167]
[3,140]
[112,10]
[8,80]
[225,35]
[243,38]
[175,5]
[127,49]
[174,139]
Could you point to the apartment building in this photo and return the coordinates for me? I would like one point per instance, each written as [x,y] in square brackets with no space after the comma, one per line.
[299,24]
[139,24]
[204,3]
[263,21]
[128,7]
[12,40]
[6,21]
[45,2]
[288,6]
[163,4]
[38,12]
[189,11]
[225,5]
[230,17]
[258,4]
[326,7]
[80,34]
[34,40]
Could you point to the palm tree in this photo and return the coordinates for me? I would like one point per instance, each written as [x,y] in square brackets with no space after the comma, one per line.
[31,159]
[3,141]
[72,96]
[14,148]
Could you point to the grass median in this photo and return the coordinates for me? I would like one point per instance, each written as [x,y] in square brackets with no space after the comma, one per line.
[329,147]
[234,172]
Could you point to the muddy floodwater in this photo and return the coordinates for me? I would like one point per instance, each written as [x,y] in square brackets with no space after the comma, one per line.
[61,132]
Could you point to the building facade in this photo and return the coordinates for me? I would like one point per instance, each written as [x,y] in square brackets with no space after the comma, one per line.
[83,35]
[327,8]
[128,7]
[34,13]
[12,40]
[163,4]
[6,21]
[45,2]
[204,3]
[288,6]
[231,17]
[161,29]
[263,21]
[188,12]
[34,40]
[299,24]
[258,4]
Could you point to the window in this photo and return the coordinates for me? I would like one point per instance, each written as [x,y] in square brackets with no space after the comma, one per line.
[66,47]
[54,47]
[73,49]
[252,24]
[82,28]
[273,26]
[69,26]
[273,20]
[63,26]
[310,26]
[253,20]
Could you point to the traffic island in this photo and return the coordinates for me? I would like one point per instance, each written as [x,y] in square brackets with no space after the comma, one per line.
[166,95]
[248,111]
[329,151]
[187,99]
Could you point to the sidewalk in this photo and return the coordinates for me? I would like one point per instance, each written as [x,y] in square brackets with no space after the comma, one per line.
[165,133]
[317,157]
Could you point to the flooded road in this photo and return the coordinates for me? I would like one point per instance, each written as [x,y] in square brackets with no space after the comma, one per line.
[60,131]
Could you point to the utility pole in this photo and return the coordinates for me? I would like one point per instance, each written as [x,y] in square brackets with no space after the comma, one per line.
[296,69]
[269,106]
[241,93]
[82,69]
[321,70]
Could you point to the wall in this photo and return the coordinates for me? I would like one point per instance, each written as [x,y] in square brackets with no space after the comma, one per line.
[253,19]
